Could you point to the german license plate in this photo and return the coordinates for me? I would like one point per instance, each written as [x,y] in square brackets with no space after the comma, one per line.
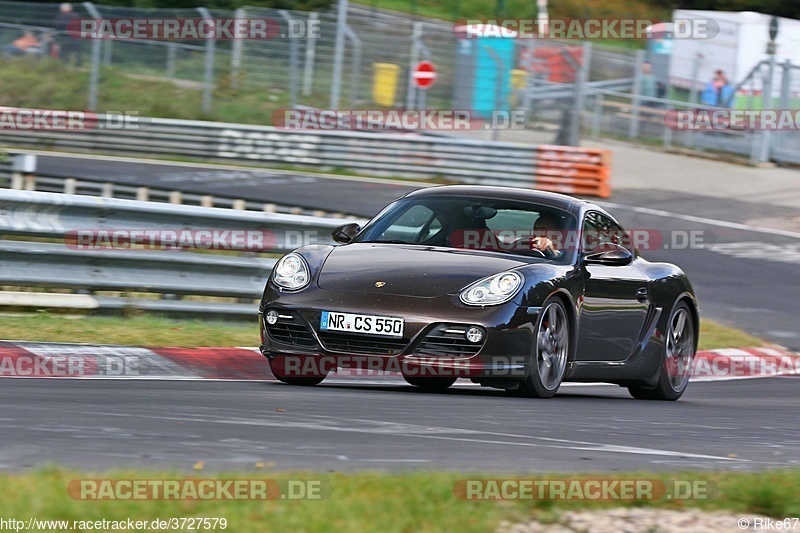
[386,326]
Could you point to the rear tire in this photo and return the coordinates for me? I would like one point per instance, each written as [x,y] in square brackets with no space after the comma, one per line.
[677,359]
[277,365]
[430,384]
[550,353]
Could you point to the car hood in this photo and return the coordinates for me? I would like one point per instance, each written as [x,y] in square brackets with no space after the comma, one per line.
[408,269]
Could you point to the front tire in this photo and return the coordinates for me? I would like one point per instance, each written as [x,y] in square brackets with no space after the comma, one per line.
[678,356]
[550,354]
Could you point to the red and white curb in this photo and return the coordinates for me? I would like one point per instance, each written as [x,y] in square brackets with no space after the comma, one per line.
[90,361]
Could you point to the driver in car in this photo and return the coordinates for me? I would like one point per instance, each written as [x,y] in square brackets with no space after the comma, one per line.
[545,225]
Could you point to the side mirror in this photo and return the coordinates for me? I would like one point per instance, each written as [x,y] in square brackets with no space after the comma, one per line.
[610,254]
[345,233]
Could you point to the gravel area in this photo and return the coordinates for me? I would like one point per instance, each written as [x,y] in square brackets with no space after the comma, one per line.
[637,520]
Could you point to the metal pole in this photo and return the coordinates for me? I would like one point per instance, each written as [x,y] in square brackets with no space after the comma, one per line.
[107,52]
[783,102]
[786,83]
[667,140]
[338,55]
[633,125]
[416,36]
[355,68]
[766,135]
[498,87]
[311,49]
[293,61]
[171,60]
[530,79]
[597,119]
[698,59]
[583,77]
[236,52]
[94,73]
[208,74]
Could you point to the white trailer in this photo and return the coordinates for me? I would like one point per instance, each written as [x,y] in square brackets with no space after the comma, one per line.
[738,47]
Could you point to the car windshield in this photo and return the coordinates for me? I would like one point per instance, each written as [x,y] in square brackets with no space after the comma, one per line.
[489,224]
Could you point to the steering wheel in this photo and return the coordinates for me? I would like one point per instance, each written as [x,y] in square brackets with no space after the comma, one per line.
[526,240]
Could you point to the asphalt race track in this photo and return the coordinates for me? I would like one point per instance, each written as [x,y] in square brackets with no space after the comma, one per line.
[746,424]
[355,196]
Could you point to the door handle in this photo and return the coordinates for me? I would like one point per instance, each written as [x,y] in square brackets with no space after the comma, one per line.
[641,294]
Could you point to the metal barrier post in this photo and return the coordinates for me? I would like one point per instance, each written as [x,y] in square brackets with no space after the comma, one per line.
[208,73]
[583,77]
[667,140]
[498,87]
[311,49]
[94,73]
[786,83]
[107,52]
[633,125]
[338,54]
[355,69]
[766,135]
[236,52]
[597,119]
[416,36]
[698,59]
[171,60]
[293,60]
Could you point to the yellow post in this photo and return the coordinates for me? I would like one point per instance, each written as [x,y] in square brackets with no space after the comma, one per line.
[384,85]
[518,77]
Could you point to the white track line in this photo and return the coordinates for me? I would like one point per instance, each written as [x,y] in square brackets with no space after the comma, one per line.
[702,220]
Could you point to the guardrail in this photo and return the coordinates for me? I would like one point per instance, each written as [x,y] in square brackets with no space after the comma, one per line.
[548,90]
[405,154]
[69,263]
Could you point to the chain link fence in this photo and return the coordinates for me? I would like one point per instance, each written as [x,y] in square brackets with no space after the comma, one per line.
[575,88]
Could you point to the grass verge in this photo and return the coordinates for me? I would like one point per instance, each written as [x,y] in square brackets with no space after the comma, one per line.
[145,330]
[371,501]
[48,83]
[149,330]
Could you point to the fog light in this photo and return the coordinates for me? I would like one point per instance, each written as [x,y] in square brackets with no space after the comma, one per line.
[272,317]
[474,334]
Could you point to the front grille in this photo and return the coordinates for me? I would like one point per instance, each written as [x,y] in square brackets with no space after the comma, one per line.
[448,340]
[350,343]
[290,329]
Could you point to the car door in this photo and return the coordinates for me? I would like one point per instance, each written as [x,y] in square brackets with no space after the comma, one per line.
[615,299]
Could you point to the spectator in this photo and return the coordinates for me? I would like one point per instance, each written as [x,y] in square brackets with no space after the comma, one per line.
[718,91]
[647,83]
[27,44]
[68,45]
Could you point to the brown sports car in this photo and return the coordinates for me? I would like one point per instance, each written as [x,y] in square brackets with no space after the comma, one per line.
[511,288]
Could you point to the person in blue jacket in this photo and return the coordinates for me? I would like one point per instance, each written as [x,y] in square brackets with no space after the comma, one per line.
[718,92]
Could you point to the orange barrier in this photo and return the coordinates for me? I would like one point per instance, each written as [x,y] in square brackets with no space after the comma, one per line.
[573,170]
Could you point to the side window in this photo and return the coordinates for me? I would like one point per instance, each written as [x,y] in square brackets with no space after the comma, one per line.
[598,229]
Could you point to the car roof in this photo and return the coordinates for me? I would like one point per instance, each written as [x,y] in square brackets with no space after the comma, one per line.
[550,199]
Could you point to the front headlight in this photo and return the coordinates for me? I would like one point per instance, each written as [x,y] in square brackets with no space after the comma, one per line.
[291,272]
[493,290]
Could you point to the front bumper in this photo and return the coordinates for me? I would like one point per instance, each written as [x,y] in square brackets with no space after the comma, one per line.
[430,325]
